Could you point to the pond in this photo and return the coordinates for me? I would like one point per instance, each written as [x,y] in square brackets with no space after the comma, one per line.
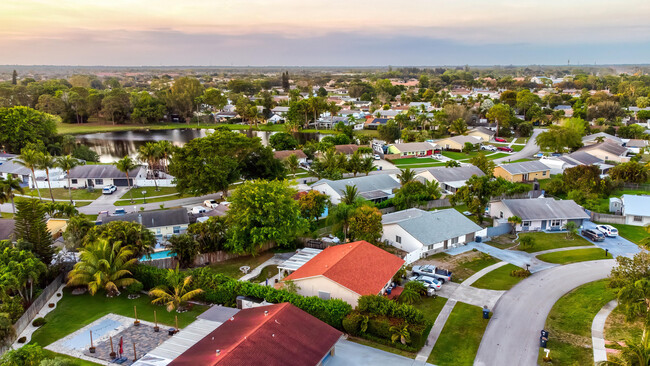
[112,146]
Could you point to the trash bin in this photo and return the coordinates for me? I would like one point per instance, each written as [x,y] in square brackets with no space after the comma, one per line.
[544,333]
[389,290]
[486,313]
[542,342]
[380,168]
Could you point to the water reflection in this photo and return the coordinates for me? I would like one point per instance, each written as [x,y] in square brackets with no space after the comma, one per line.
[112,146]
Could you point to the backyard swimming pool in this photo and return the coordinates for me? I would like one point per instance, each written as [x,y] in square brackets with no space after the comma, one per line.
[158,255]
[82,340]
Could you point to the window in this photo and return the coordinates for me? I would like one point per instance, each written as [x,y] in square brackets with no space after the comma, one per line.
[544,173]
[556,222]
[73,181]
[454,240]
[525,223]
[398,239]
[177,229]
[430,247]
[324,295]
[501,214]
[638,218]
[99,181]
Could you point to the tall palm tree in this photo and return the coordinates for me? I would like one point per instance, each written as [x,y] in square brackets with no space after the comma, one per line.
[67,163]
[350,195]
[177,293]
[150,153]
[406,176]
[30,159]
[125,165]
[166,149]
[8,189]
[292,164]
[103,265]
[46,163]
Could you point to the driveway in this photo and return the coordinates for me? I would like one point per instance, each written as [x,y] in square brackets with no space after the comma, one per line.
[512,335]
[616,246]
[516,257]
[348,353]
[529,150]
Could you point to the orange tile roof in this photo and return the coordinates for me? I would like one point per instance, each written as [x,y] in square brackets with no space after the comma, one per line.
[359,266]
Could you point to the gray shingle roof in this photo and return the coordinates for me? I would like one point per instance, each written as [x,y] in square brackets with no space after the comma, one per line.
[11,167]
[580,157]
[381,182]
[545,209]
[176,216]
[100,171]
[483,130]
[607,136]
[430,227]
[455,174]
[414,146]
[524,167]
[607,146]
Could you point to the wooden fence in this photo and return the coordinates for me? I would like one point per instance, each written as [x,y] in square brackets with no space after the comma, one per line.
[203,259]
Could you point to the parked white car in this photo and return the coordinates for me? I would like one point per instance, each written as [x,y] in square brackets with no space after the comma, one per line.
[488,147]
[210,203]
[109,189]
[429,282]
[608,230]
[198,210]
[377,157]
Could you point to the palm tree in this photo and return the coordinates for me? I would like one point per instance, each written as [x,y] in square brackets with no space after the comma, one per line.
[166,148]
[634,298]
[46,162]
[125,165]
[177,294]
[103,265]
[150,153]
[401,334]
[406,176]
[409,296]
[514,221]
[30,159]
[452,164]
[571,229]
[367,165]
[350,195]
[8,187]
[634,353]
[67,163]
[292,164]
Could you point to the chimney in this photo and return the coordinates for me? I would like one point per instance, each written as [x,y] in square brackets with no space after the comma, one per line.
[266,312]
[218,352]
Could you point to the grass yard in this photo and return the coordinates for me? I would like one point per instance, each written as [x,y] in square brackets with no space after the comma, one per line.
[546,241]
[499,279]
[497,155]
[459,155]
[62,194]
[520,160]
[569,324]
[632,233]
[74,312]
[466,269]
[151,196]
[425,165]
[267,272]
[460,338]
[431,307]
[502,241]
[618,329]
[404,161]
[518,147]
[46,198]
[231,266]
[572,256]
[521,140]
[72,361]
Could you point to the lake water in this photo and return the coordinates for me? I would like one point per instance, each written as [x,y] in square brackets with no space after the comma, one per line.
[113,146]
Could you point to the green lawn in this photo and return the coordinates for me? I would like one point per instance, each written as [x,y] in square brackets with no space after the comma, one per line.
[576,255]
[497,156]
[151,196]
[499,279]
[569,323]
[502,241]
[426,165]
[404,161]
[460,338]
[521,140]
[546,241]
[73,361]
[518,147]
[62,194]
[431,307]
[267,272]
[459,155]
[520,160]
[464,270]
[632,233]
[231,266]
[618,329]
[74,312]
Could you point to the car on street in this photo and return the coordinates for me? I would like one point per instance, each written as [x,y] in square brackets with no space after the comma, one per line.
[210,203]
[499,139]
[539,155]
[430,270]
[505,148]
[488,147]
[593,235]
[377,157]
[109,189]
[608,230]
[429,282]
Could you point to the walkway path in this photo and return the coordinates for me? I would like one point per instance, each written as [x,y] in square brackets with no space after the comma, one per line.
[424,353]
[482,273]
[598,331]
[277,259]
[517,257]
[512,335]
[27,333]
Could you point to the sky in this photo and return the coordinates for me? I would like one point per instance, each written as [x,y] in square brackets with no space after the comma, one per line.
[323,33]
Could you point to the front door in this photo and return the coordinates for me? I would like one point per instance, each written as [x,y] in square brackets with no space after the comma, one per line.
[446,244]
[91,183]
[543,224]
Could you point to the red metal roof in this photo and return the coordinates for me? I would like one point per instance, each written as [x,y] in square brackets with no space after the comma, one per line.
[359,266]
[284,336]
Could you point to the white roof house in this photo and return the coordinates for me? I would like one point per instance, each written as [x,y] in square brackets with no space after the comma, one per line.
[450,179]
[374,188]
[422,233]
[636,209]
[538,214]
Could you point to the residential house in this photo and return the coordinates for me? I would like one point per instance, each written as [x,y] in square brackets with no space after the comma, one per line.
[525,171]
[457,143]
[423,233]
[375,188]
[538,213]
[83,176]
[284,154]
[278,334]
[451,179]
[420,105]
[12,169]
[163,223]
[224,116]
[348,149]
[7,227]
[485,134]
[6,156]
[636,209]
[558,164]
[567,109]
[275,118]
[608,151]
[347,272]
[280,111]
[635,145]
[388,113]
[412,149]
[229,108]
[374,123]
[596,137]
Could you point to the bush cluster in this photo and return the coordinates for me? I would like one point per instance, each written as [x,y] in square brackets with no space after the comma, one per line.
[520,273]
[378,330]
[39,322]
[379,305]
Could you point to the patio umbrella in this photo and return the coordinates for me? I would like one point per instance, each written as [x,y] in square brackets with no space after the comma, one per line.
[121,349]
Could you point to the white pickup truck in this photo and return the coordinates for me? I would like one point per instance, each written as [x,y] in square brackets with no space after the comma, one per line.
[430,270]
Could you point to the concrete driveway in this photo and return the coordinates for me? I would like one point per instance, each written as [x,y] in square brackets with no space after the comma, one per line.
[616,246]
[529,150]
[353,354]
[512,335]
[516,257]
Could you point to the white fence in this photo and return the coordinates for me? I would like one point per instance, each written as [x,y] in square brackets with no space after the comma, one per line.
[141,182]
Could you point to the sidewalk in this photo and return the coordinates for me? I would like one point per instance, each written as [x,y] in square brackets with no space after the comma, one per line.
[598,331]
[27,333]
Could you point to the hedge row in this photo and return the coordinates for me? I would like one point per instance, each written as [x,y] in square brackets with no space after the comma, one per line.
[378,330]
[379,305]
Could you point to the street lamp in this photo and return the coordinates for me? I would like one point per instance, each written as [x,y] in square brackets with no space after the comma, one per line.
[144,195]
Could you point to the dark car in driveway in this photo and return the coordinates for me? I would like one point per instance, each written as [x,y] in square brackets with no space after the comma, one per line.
[593,235]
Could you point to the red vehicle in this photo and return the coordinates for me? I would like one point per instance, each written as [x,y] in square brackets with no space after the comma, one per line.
[504,148]
[500,139]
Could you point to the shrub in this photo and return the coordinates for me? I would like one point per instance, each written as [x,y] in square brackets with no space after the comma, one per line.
[12,306]
[150,276]
[351,323]
[56,362]
[50,305]
[22,339]
[134,288]
[520,273]
[39,322]
[379,305]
